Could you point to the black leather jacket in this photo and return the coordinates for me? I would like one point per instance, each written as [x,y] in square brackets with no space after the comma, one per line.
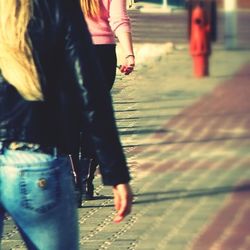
[75,97]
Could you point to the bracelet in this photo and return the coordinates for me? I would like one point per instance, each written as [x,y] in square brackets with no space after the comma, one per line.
[129,56]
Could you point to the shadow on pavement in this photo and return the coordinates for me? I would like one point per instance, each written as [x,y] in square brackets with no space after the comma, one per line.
[185,193]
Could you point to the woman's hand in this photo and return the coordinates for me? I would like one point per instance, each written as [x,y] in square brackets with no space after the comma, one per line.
[128,65]
[123,198]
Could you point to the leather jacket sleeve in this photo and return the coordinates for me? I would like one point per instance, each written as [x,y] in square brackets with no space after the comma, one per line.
[95,100]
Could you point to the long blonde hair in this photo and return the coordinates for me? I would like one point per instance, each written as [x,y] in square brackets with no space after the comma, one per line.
[90,8]
[16,59]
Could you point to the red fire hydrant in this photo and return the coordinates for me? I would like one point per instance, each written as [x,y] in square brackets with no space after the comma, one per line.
[200,45]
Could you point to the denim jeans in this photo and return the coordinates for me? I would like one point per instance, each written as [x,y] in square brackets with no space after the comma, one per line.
[37,191]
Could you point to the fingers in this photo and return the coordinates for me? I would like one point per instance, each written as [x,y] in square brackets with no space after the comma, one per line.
[128,65]
[126,69]
[123,201]
[129,69]
[124,208]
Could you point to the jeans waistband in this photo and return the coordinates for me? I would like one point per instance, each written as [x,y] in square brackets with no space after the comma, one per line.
[31,147]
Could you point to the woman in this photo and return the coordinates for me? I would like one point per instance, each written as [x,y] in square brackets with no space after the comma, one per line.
[106,19]
[50,89]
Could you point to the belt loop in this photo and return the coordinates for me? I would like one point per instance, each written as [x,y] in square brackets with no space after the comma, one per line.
[1,147]
[55,152]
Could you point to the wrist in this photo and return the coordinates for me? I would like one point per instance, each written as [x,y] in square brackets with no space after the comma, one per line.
[130,55]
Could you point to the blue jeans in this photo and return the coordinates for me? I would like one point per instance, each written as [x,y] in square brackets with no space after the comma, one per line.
[37,190]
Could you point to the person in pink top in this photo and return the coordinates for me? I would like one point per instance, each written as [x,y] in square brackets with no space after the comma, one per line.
[107,21]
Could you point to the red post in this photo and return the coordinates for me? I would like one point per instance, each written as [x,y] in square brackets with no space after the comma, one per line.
[200,45]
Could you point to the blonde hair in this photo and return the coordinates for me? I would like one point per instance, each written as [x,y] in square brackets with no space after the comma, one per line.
[90,8]
[16,59]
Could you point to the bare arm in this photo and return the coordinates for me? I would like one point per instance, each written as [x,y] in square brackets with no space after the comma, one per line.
[121,26]
[125,39]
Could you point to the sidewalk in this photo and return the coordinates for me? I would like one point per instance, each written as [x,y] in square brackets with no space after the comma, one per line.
[187,142]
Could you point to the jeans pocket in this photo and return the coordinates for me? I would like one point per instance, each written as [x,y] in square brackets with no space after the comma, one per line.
[40,189]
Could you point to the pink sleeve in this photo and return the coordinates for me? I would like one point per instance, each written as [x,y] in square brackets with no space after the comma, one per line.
[118,17]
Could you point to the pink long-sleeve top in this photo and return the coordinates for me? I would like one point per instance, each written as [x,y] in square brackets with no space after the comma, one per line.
[113,19]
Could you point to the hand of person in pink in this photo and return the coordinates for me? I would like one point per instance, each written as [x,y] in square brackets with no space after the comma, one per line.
[128,65]
[123,198]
